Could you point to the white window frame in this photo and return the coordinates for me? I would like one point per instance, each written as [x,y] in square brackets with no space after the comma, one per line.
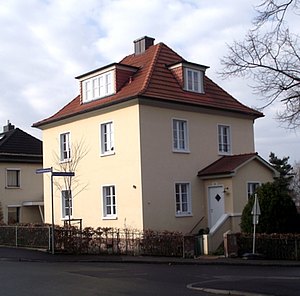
[193,80]
[107,138]
[224,147]
[109,209]
[250,188]
[98,86]
[67,205]
[65,146]
[179,143]
[18,178]
[180,210]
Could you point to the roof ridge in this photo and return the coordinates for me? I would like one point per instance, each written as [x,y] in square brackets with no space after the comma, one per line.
[151,70]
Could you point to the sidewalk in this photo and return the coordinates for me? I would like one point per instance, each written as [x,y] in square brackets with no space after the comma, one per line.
[19,254]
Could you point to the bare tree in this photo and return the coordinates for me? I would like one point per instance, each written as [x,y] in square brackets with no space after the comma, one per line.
[270,55]
[73,185]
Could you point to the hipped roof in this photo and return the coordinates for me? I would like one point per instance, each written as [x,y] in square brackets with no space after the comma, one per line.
[154,80]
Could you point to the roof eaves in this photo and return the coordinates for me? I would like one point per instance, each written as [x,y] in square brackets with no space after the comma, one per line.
[217,175]
[87,110]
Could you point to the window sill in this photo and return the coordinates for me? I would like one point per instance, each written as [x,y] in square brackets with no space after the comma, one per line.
[224,153]
[107,154]
[181,151]
[12,187]
[183,215]
[65,160]
[66,218]
[110,218]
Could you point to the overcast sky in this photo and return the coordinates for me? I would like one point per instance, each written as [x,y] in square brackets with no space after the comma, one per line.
[46,43]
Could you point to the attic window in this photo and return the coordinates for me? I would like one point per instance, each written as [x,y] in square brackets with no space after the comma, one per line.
[98,86]
[193,80]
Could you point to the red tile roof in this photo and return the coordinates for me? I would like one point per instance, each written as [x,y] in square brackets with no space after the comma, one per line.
[228,165]
[154,80]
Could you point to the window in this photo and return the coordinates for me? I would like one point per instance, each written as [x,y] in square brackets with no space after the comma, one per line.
[194,80]
[107,138]
[67,205]
[183,199]
[251,188]
[13,215]
[13,178]
[180,135]
[224,139]
[98,86]
[109,201]
[65,147]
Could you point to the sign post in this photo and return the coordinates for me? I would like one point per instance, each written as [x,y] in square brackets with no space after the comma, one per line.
[256,213]
[53,174]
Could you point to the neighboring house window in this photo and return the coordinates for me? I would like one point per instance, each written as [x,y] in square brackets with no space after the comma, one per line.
[65,147]
[13,215]
[194,80]
[109,201]
[180,135]
[67,204]
[13,178]
[98,86]
[224,139]
[107,138]
[183,199]
[251,188]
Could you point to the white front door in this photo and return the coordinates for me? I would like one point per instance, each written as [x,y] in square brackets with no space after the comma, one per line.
[215,204]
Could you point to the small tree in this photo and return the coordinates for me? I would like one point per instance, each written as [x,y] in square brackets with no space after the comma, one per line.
[278,211]
[284,169]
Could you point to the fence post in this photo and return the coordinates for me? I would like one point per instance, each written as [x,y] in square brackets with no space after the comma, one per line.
[16,235]
[49,238]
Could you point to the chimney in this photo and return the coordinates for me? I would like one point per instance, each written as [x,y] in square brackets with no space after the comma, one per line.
[142,44]
[8,127]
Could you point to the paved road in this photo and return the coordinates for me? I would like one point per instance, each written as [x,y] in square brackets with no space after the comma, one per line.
[24,272]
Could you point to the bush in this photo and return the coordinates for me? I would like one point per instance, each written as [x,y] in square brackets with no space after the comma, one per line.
[278,211]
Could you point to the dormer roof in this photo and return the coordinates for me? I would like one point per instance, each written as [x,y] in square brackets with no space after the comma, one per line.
[153,79]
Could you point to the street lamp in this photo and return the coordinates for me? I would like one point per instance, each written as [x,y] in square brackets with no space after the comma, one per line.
[53,174]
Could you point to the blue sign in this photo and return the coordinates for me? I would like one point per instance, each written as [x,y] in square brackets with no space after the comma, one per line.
[43,170]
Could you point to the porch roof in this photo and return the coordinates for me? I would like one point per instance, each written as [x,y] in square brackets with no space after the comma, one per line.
[229,164]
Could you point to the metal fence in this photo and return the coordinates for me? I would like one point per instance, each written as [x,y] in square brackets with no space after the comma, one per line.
[24,236]
[271,246]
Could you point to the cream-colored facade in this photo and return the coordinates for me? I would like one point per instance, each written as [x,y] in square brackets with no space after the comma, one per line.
[147,126]
[144,168]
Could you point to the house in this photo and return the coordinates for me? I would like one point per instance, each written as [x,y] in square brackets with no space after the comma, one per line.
[165,147]
[21,190]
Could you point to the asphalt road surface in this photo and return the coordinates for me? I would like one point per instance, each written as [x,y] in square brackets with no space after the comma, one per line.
[114,279]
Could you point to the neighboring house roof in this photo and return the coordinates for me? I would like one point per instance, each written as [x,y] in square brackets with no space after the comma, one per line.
[154,80]
[229,165]
[18,146]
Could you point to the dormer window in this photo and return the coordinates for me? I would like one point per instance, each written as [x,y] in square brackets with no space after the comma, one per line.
[190,76]
[193,80]
[98,86]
